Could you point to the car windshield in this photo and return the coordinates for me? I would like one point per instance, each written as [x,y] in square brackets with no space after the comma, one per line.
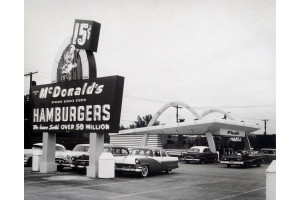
[81,148]
[142,152]
[37,147]
[193,150]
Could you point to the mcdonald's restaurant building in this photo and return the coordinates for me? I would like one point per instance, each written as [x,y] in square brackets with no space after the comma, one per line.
[215,133]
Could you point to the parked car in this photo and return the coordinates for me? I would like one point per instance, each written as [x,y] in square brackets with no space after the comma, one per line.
[268,154]
[242,158]
[200,154]
[59,150]
[146,160]
[66,159]
[82,161]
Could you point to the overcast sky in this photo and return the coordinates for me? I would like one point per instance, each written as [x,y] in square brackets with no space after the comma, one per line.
[208,54]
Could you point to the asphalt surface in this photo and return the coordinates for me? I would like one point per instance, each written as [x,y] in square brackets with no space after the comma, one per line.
[189,181]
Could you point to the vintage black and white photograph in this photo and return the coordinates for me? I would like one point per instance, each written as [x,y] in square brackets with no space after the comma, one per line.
[150,99]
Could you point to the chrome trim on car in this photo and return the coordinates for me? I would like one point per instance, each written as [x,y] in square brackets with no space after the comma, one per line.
[129,169]
[232,162]
[191,159]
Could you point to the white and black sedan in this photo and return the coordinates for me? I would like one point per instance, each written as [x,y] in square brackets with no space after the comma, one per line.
[145,160]
[28,153]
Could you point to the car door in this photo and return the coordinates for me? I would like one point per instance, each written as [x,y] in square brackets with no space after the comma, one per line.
[208,154]
[119,154]
[168,162]
[156,161]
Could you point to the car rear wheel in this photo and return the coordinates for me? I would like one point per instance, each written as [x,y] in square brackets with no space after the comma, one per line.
[169,171]
[228,165]
[60,168]
[187,161]
[145,171]
[258,164]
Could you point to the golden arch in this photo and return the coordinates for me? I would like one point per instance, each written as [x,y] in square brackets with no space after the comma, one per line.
[209,136]
[218,111]
[171,104]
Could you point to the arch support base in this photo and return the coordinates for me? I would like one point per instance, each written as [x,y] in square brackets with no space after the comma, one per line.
[211,142]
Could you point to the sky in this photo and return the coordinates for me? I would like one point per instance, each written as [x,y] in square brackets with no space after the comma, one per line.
[208,54]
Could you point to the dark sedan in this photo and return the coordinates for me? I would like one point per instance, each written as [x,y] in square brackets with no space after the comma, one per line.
[242,158]
[268,154]
[200,154]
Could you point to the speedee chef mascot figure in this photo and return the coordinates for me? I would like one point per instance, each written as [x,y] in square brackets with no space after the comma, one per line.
[68,64]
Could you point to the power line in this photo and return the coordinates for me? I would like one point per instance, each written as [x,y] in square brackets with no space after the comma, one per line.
[245,106]
[144,99]
[196,107]
[48,76]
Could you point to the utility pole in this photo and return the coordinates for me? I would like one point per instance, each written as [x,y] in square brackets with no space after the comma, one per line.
[180,136]
[265,120]
[177,107]
[30,85]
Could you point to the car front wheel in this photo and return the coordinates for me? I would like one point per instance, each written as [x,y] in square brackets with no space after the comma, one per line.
[169,171]
[145,171]
[258,164]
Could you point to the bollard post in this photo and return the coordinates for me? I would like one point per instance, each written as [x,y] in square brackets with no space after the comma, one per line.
[106,165]
[36,160]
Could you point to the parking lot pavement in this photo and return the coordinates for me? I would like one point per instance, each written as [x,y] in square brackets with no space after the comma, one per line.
[189,181]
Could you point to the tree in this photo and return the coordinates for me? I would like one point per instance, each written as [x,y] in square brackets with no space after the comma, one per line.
[122,127]
[143,122]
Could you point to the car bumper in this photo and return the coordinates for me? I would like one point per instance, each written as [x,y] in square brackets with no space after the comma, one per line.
[65,165]
[81,164]
[191,159]
[232,162]
[127,169]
